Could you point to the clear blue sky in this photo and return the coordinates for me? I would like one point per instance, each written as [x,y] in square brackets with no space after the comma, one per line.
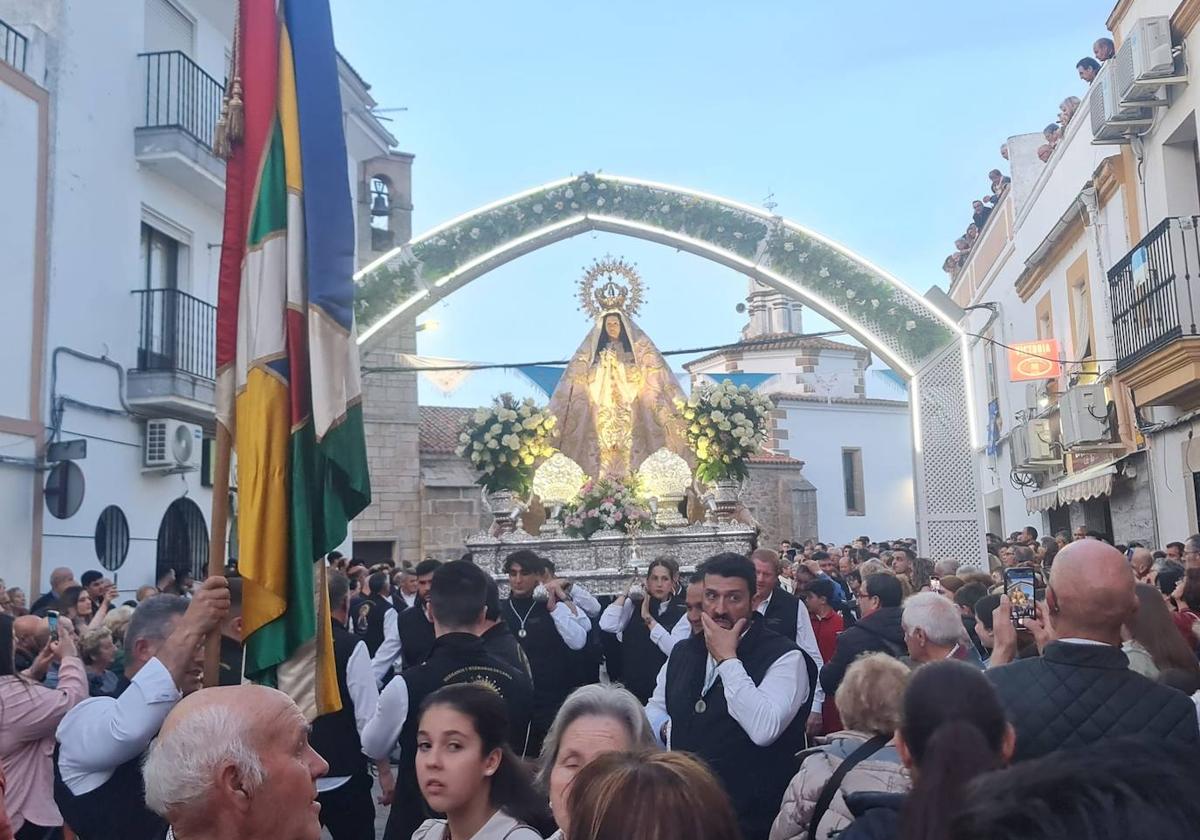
[874,123]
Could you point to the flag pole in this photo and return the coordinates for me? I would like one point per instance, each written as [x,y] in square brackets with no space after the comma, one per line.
[216,543]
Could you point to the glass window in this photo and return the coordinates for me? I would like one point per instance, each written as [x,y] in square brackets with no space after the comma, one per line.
[852,480]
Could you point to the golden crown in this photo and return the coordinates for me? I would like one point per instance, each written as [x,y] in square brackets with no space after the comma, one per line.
[610,284]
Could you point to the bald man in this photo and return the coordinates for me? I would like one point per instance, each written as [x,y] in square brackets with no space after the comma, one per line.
[1142,561]
[234,763]
[1080,690]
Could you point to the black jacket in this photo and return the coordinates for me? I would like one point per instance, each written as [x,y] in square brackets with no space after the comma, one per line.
[876,815]
[878,632]
[1074,694]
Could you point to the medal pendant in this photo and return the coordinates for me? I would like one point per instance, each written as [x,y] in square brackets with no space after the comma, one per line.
[701,706]
[521,633]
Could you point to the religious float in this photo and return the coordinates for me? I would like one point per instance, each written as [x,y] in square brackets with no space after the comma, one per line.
[621,466]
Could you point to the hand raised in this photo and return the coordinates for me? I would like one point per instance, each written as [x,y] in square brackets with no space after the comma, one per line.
[721,643]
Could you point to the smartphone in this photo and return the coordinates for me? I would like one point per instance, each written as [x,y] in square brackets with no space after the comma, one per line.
[1018,586]
[935,585]
[52,619]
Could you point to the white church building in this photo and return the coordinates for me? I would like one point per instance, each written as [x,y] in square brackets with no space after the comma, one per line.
[846,419]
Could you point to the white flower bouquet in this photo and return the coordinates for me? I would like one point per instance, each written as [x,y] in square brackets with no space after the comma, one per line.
[503,442]
[726,425]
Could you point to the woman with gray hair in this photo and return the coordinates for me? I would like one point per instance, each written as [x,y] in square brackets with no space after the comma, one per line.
[861,758]
[593,720]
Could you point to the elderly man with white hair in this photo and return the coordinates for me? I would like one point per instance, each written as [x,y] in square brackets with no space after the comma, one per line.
[933,630]
[234,763]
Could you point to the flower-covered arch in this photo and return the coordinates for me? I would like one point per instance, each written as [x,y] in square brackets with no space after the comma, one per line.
[908,332]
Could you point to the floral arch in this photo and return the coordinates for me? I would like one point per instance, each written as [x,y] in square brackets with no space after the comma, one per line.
[908,332]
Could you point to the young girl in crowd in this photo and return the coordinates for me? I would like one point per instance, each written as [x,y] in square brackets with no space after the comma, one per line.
[469,773]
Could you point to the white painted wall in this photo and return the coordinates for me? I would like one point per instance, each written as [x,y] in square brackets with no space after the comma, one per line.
[817,432]
[99,198]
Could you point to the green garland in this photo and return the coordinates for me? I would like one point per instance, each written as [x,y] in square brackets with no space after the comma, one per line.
[872,301]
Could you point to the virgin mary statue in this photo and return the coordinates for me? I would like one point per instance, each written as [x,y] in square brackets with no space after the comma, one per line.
[615,403]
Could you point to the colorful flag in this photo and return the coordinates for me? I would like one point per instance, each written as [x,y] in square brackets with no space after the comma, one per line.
[288,384]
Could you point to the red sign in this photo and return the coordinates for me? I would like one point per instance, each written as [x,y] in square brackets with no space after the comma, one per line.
[1032,360]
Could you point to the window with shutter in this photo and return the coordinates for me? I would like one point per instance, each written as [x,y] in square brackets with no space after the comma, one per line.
[167,28]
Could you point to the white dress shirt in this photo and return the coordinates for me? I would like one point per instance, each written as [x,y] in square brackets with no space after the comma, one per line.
[763,711]
[585,600]
[388,653]
[682,631]
[616,618]
[102,733]
[381,732]
[806,640]
[411,600]
[364,693]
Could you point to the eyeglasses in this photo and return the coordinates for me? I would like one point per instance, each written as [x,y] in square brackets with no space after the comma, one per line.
[862,595]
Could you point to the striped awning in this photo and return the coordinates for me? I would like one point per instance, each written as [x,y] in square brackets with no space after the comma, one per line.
[1076,487]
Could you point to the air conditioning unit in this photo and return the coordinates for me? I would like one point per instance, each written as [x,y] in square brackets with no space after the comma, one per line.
[1084,413]
[1145,62]
[1113,122]
[1033,449]
[171,446]
[1037,397]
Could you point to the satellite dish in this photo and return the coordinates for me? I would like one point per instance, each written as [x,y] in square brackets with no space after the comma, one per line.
[740,308]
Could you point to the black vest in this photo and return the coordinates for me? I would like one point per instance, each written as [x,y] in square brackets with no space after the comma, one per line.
[455,658]
[501,643]
[641,658]
[368,618]
[416,635]
[755,777]
[781,612]
[335,736]
[550,659]
[114,811]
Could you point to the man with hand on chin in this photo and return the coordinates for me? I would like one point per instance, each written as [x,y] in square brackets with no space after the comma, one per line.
[737,695]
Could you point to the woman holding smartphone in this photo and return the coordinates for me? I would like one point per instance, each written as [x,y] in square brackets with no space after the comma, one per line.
[468,772]
[29,715]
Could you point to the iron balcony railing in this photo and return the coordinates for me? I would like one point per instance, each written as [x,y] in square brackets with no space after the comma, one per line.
[1155,290]
[178,333]
[180,95]
[15,46]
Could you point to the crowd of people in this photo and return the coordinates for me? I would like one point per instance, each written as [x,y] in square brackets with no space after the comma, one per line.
[1103,50]
[814,691]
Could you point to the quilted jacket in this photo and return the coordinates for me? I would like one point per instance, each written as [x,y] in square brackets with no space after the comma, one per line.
[881,772]
[1077,694]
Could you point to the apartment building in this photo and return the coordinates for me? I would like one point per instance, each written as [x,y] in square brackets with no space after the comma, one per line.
[1083,293]
[113,232]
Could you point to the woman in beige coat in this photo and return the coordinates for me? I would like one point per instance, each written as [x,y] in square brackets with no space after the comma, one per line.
[868,700]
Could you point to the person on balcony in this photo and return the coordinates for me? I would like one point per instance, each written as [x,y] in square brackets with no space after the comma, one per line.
[1052,133]
[1104,49]
[980,214]
[1088,68]
[1067,109]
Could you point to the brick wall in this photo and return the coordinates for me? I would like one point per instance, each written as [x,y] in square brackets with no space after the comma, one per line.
[782,500]
[451,506]
[392,425]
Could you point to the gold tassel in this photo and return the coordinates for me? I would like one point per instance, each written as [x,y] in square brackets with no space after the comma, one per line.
[235,119]
[221,134]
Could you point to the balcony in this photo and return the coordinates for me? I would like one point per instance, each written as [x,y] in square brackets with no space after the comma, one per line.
[176,361]
[14,47]
[179,119]
[1155,293]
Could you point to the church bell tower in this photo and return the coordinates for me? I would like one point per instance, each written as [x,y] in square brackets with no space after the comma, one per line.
[771,313]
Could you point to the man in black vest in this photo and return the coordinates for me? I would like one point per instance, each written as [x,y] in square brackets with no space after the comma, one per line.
[644,624]
[371,613]
[1080,690]
[737,695]
[97,773]
[788,616]
[497,638]
[550,631]
[415,630]
[458,600]
[347,809]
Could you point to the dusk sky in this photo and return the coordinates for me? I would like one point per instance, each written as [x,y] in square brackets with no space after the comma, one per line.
[874,123]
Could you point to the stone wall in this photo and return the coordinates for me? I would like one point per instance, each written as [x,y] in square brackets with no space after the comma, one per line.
[782,500]
[1130,504]
[392,429]
[451,506]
